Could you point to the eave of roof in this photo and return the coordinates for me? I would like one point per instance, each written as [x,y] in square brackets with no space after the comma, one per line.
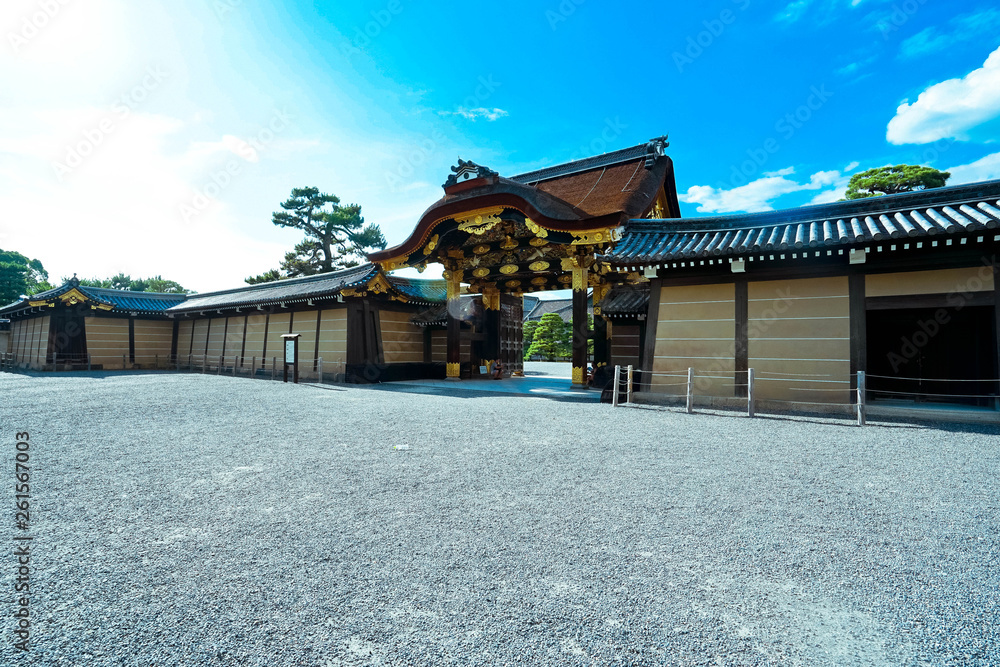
[289,290]
[958,209]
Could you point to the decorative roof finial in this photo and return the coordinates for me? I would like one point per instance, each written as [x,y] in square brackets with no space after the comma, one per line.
[655,149]
[74,281]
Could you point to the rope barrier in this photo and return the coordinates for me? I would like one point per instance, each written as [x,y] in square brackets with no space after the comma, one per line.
[799,380]
[921,393]
[892,377]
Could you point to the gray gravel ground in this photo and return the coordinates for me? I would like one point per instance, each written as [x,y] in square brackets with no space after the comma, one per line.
[201,520]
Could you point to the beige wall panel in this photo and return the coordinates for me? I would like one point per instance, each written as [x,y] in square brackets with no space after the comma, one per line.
[944,281]
[699,312]
[199,338]
[255,338]
[766,312]
[185,328]
[402,341]
[439,346]
[333,340]
[723,294]
[277,327]
[234,339]
[668,330]
[40,341]
[809,327]
[153,340]
[304,324]
[801,348]
[696,329]
[799,331]
[216,338]
[107,340]
[701,349]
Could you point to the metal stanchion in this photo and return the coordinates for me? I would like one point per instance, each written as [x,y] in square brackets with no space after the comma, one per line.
[253,368]
[618,379]
[862,390]
[274,367]
[690,391]
[750,406]
[628,397]
[320,367]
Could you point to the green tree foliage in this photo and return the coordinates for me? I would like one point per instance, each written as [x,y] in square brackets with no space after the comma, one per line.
[125,282]
[552,339]
[268,277]
[893,180]
[20,276]
[528,334]
[336,236]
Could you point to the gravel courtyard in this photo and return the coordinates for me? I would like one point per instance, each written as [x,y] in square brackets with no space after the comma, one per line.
[202,520]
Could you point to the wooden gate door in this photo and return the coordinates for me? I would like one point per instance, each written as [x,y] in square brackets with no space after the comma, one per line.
[511,339]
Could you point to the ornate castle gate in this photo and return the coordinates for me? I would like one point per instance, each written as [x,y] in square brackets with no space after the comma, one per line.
[504,238]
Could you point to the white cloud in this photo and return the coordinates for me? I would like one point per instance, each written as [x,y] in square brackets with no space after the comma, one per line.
[851,167]
[477,113]
[950,109]
[757,195]
[983,169]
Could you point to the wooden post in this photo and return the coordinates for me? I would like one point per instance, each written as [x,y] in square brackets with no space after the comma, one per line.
[690,391]
[236,360]
[274,366]
[618,379]
[88,362]
[750,406]
[862,417]
[253,368]
[123,362]
[319,365]
[628,398]
[218,371]
[204,362]
[157,362]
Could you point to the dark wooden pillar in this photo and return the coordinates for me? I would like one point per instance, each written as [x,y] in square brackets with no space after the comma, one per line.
[491,311]
[742,356]
[454,281]
[858,328]
[602,344]
[996,322]
[648,339]
[581,329]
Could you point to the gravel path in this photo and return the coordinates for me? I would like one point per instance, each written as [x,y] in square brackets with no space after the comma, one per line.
[201,520]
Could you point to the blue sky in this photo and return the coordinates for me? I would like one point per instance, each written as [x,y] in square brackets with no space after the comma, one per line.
[157,138]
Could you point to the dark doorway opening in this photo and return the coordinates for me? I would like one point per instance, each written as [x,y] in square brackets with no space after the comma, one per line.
[67,339]
[933,355]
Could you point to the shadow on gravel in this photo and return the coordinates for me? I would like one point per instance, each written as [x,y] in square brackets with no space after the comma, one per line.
[584,397]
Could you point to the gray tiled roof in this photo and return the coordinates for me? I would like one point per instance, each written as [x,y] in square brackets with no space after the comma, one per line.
[120,300]
[291,290]
[626,300]
[940,211]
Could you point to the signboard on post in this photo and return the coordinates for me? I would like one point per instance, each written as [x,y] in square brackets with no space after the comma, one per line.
[291,356]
